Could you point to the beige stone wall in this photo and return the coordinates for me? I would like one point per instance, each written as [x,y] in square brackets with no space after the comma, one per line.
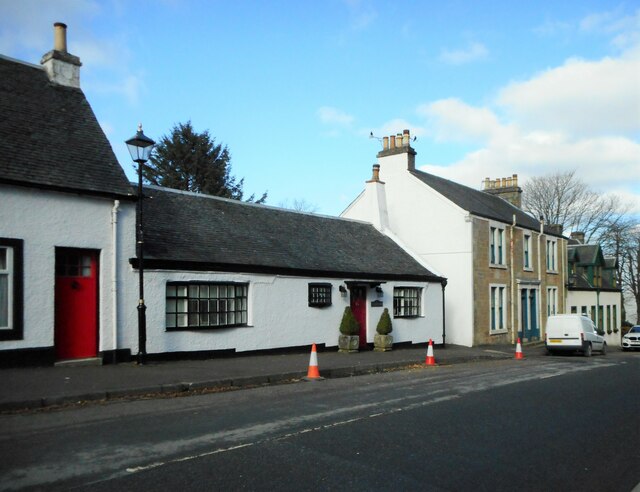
[509,275]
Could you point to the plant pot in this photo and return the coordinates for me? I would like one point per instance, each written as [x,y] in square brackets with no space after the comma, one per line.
[348,343]
[382,343]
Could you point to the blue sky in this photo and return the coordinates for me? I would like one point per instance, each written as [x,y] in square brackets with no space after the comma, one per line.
[295,87]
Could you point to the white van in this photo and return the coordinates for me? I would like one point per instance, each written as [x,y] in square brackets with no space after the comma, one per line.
[572,332]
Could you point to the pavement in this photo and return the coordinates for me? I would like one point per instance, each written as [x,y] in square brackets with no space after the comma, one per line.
[49,387]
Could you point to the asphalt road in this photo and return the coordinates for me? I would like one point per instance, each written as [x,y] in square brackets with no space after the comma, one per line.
[547,423]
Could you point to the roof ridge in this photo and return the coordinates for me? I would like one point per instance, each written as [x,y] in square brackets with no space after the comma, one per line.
[196,194]
[21,62]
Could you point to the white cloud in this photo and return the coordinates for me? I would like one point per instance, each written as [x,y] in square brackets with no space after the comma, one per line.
[580,98]
[583,115]
[333,116]
[473,52]
[127,86]
[455,121]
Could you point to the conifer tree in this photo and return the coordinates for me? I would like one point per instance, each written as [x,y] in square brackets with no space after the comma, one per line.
[191,161]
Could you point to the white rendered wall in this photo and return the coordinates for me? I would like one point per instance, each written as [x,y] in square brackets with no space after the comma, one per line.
[45,220]
[278,313]
[435,230]
[589,298]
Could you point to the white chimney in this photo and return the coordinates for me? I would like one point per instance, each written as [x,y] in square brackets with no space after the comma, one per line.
[61,67]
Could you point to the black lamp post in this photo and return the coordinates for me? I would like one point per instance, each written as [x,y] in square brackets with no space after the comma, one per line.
[140,147]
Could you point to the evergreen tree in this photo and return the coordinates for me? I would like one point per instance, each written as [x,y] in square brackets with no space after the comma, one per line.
[187,160]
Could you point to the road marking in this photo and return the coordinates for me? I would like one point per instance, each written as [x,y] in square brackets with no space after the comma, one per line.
[471,384]
[188,458]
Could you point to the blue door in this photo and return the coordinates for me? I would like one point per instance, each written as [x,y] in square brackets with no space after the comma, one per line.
[534,331]
[529,328]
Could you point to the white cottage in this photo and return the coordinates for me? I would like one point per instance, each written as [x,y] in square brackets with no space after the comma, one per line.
[65,203]
[224,275]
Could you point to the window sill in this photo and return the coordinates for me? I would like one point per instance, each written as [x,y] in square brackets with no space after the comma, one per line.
[498,332]
[206,328]
[553,272]
[497,265]
[527,269]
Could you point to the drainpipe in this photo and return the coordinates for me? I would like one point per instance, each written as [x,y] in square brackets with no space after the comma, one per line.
[513,282]
[540,275]
[114,275]
[443,282]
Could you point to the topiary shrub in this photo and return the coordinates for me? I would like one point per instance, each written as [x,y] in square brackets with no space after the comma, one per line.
[349,325]
[384,325]
[615,330]
[609,331]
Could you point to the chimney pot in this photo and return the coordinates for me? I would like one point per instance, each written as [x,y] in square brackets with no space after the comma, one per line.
[399,140]
[393,141]
[385,143]
[376,173]
[60,37]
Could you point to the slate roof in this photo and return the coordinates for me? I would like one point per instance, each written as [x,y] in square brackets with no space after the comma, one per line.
[584,254]
[191,231]
[480,203]
[50,138]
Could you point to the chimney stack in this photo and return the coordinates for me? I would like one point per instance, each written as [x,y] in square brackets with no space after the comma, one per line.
[399,144]
[578,236]
[61,67]
[506,188]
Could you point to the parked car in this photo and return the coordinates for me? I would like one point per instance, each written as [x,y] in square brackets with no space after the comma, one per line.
[631,340]
[572,332]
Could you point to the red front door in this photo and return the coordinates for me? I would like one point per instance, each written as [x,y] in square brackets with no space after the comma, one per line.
[359,308]
[76,304]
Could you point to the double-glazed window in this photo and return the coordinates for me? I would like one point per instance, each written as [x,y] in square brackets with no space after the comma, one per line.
[10,289]
[406,302]
[496,246]
[205,305]
[552,251]
[319,295]
[498,311]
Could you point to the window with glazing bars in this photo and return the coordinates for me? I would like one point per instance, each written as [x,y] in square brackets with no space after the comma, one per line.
[319,295]
[205,305]
[406,302]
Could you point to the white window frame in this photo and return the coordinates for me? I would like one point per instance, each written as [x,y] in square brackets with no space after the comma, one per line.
[552,254]
[193,305]
[497,309]
[403,305]
[9,274]
[527,264]
[497,246]
[552,301]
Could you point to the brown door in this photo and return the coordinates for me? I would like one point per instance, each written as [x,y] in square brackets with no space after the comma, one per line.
[359,308]
[76,304]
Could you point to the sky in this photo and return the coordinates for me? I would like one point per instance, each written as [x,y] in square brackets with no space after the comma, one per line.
[294,88]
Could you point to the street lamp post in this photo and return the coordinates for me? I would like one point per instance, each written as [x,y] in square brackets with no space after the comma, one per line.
[140,147]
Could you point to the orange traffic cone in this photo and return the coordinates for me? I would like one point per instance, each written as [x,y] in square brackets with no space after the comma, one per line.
[519,354]
[313,374]
[431,360]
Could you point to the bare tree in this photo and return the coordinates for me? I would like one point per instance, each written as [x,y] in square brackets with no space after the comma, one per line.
[299,205]
[631,267]
[563,198]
